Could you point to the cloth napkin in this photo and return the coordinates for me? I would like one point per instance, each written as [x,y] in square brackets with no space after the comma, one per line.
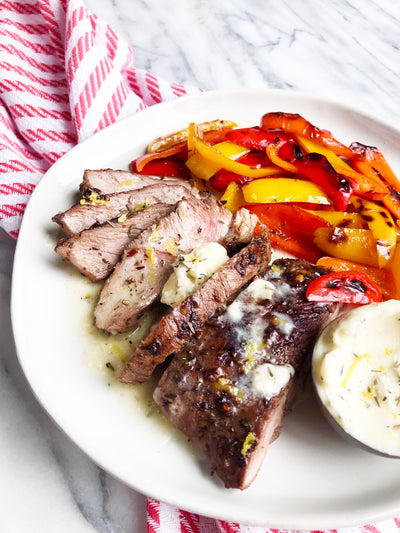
[64,75]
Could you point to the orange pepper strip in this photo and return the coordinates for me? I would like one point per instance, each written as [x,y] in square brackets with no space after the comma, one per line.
[293,247]
[388,197]
[297,125]
[272,152]
[392,203]
[146,158]
[381,277]
[373,187]
[377,160]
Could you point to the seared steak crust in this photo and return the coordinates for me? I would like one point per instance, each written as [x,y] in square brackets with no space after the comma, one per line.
[97,250]
[187,319]
[107,207]
[207,390]
[146,264]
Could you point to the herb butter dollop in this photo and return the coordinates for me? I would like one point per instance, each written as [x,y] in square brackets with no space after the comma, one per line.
[356,372]
[191,271]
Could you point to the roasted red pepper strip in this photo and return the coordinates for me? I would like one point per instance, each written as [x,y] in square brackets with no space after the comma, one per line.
[297,125]
[351,287]
[223,177]
[173,168]
[292,229]
[179,148]
[255,138]
[255,159]
[317,168]
[381,277]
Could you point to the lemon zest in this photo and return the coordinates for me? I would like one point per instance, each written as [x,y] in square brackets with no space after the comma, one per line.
[171,247]
[352,367]
[140,207]
[248,443]
[94,199]
[225,384]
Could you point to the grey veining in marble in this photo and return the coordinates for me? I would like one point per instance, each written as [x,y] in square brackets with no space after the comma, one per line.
[345,50]
[47,484]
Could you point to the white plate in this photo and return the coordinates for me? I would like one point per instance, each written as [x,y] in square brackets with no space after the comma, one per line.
[311,479]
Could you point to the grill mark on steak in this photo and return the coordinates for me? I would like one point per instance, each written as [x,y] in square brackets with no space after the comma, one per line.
[84,216]
[187,319]
[96,251]
[109,181]
[131,288]
[206,390]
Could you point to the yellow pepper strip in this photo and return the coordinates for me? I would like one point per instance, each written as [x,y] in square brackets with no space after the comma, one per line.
[272,152]
[203,168]
[382,226]
[215,157]
[394,267]
[232,150]
[310,146]
[381,277]
[342,219]
[352,244]
[269,190]
[190,138]
[233,197]
[168,140]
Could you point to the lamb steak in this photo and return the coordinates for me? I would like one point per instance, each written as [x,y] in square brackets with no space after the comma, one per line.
[95,251]
[228,390]
[95,208]
[137,280]
[187,319]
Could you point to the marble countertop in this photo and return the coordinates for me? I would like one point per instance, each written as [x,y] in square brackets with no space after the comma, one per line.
[346,50]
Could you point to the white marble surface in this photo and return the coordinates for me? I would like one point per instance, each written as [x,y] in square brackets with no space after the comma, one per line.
[347,50]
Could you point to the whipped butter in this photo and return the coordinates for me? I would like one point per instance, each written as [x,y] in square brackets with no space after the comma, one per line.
[356,372]
[192,270]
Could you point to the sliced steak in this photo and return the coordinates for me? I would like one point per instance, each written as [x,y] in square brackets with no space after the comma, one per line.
[187,319]
[147,261]
[108,181]
[229,389]
[241,230]
[100,208]
[96,251]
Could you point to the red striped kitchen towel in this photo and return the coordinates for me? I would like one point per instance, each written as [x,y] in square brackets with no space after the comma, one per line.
[65,74]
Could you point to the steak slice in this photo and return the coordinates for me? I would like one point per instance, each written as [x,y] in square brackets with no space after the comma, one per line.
[97,250]
[146,263]
[188,318]
[102,208]
[108,181]
[229,390]
[241,230]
